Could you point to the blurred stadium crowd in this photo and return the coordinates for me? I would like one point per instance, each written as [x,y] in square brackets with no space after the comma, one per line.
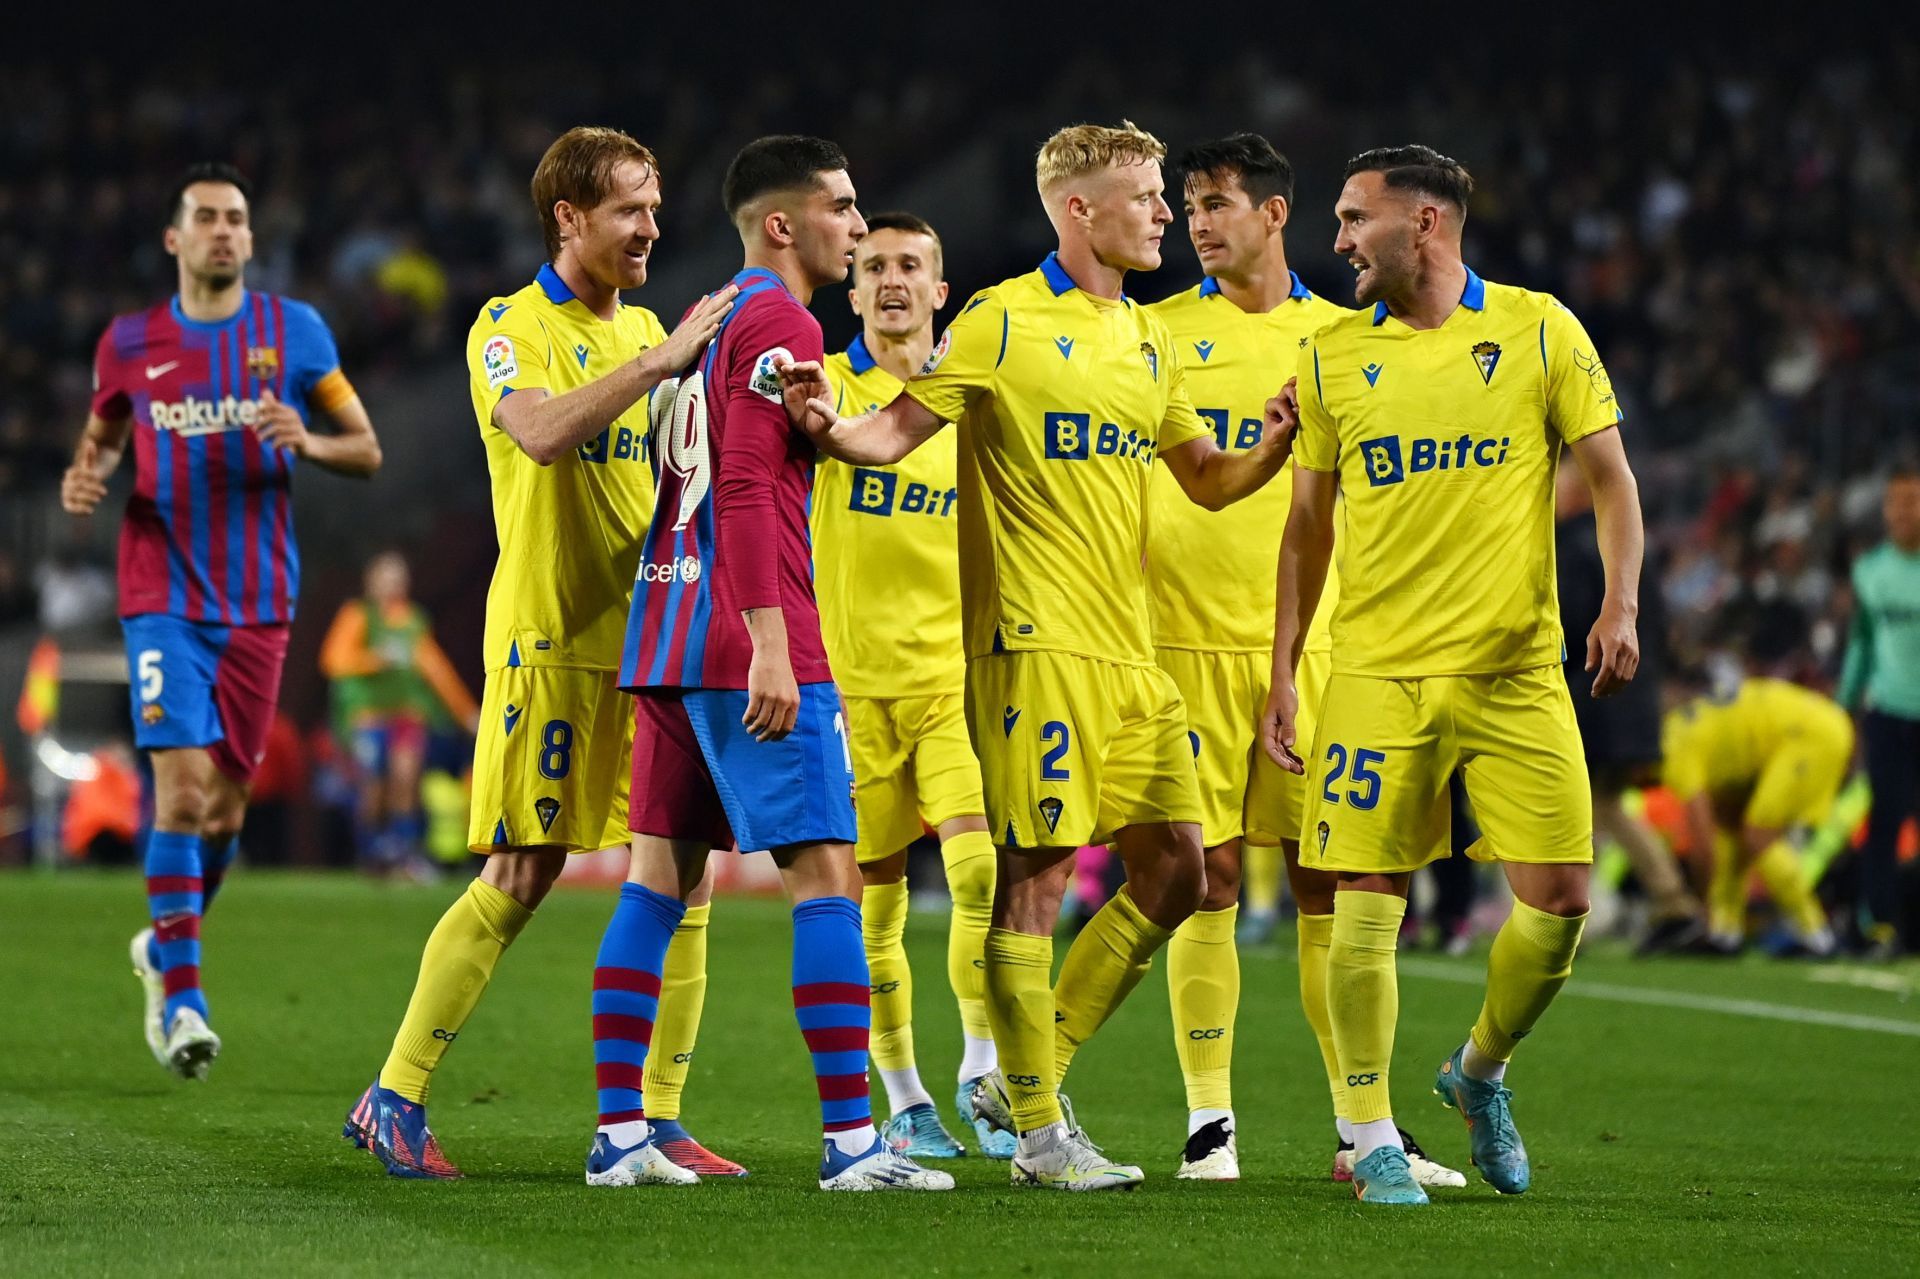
[1737,229]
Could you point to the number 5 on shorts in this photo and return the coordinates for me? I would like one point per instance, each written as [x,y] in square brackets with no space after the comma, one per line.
[1363,775]
[151,679]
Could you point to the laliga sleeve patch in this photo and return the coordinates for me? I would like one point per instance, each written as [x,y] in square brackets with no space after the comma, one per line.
[938,353]
[765,381]
[497,357]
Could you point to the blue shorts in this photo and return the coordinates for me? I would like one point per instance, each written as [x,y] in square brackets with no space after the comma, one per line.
[200,684]
[698,774]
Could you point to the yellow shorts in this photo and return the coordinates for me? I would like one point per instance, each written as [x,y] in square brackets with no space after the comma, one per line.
[1798,783]
[551,761]
[1385,748]
[1224,693]
[1073,748]
[912,764]
[1277,799]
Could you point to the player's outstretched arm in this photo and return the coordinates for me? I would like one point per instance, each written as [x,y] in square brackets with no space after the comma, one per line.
[1613,645]
[1304,552]
[84,484]
[353,449]
[1216,478]
[548,427]
[879,438]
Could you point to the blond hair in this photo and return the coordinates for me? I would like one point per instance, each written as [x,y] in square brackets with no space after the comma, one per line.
[1080,149]
[579,169]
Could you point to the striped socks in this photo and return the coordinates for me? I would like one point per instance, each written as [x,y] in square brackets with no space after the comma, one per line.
[626,999]
[175,897]
[831,1000]
[217,854]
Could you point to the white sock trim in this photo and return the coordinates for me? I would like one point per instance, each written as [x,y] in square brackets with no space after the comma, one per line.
[904,1089]
[627,1134]
[853,1141]
[1198,1119]
[978,1057]
[1373,1134]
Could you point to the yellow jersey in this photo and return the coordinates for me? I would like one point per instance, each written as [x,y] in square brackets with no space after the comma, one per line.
[1063,401]
[1446,442]
[569,533]
[1210,574]
[1716,745]
[886,554]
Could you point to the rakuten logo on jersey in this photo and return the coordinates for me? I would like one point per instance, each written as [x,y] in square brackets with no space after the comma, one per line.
[685,569]
[193,416]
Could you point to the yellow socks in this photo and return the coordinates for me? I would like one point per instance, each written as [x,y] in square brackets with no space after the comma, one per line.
[683,996]
[1261,866]
[1363,997]
[1020,1007]
[1531,960]
[454,971]
[1203,985]
[1316,935]
[1107,960]
[883,922]
[1727,893]
[970,862]
[1780,871]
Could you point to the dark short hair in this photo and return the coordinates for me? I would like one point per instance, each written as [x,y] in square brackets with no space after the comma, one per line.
[1262,172]
[1417,168]
[912,222]
[205,171]
[782,162]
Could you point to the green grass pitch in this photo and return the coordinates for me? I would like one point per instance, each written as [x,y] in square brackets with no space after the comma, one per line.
[1665,1138]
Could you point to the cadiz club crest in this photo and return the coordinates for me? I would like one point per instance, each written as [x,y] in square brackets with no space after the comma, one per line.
[1486,355]
[1152,358]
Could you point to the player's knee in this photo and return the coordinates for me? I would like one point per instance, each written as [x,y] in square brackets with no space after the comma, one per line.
[1564,898]
[526,876]
[181,804]
[1222,889]
[1181,890]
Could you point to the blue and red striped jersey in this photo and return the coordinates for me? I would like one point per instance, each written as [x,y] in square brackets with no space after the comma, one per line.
[208,533]
[729,530]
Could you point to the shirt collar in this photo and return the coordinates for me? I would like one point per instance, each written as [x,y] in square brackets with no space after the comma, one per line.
[1056,275]
[859,359]
[755,278]
[1298,293]
[1473,297]
[553,286]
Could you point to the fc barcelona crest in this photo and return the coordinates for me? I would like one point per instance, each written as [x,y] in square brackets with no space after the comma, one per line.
[1152,358]
[1486,355]
[264,362]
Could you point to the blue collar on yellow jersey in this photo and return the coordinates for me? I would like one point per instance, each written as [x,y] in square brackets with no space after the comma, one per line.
[859,359]
[1060,282]
[1299,292]
[1473,297]
[553,286]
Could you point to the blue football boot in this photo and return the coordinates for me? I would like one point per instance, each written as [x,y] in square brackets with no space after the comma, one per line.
[396,1131]
[1498,1152]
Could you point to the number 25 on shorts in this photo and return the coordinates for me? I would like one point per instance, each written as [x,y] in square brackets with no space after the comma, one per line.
[1363,791]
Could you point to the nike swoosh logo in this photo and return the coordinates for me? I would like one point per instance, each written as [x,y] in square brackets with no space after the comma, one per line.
[156,370]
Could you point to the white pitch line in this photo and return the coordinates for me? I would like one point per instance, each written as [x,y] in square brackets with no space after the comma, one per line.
[1682,999]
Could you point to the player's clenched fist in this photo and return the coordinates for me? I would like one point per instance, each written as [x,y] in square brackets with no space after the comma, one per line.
[1282,413]
[280,425]
[773,697]
[82,487]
